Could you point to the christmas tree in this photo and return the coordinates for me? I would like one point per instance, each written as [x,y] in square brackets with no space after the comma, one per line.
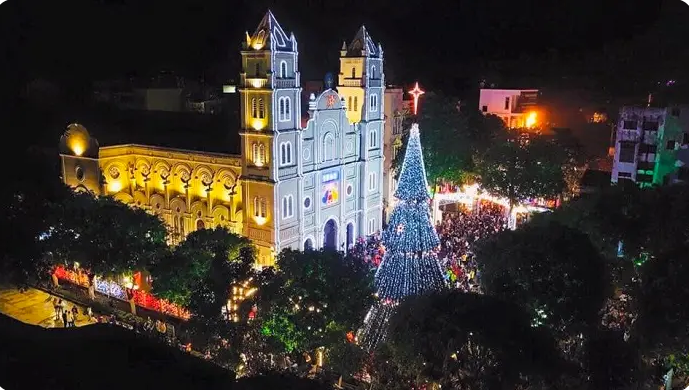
[410,265]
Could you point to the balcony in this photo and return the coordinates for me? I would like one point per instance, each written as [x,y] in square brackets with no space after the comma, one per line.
[285,83]
[255,82]
[628,135]
[352,83]
[375,82]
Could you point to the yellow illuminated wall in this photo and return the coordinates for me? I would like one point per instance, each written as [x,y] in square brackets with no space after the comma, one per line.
[350,86]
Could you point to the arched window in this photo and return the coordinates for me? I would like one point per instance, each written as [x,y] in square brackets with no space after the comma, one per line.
[373,138]
[261,108]
[284,109]
[262,154]
[200,225]
[356,103]
[328,147]
[254,154]
[283,69]
[287,206]
[257,69]
[374,102]
[263,207]
[286,153]
[373,71]
[349,103]
[259,207]
[353,73]
[254,108]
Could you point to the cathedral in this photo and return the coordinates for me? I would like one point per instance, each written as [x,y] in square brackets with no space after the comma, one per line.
[293,185]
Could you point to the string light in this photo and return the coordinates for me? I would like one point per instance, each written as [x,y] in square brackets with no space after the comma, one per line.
[410,265]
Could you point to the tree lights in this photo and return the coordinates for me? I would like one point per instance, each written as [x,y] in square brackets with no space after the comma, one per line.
[410,265]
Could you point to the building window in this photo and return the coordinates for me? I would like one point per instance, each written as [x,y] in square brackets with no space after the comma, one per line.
[484,108]
[629,125]
[624,174]
[260,207]
[373,139]
[649,126]
[372,181]
[349,103]
[287,207]
[507,103]
[284,109]
[349,190]
[307,203]
[254,108]
[374,102]
[670,145]
[283,69]
[356,104]
[286,153]
[79,172]
[627,150]
[261,108]
[328,147]
[371,226]
[373,72]
[258,154]
[353,73]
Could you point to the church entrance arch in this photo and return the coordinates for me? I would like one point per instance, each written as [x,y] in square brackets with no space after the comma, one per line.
[330,235]
[308,245]
[350,236]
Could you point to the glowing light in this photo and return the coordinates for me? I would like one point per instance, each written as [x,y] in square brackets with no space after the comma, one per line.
[256,83]
[531,119]
[260,221]
[257,45]
[410,265]
[258,124]
[416,93]
[115,186]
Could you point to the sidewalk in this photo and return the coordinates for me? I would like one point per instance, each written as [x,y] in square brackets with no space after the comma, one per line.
[35,307]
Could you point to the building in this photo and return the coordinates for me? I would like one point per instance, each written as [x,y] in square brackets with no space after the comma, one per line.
[396,109]
[291,186]
[646,144]
[516,107]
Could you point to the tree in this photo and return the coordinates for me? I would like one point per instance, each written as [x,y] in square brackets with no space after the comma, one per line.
[410,264]
[451,137]
[519,169]
[315,299]
[469,341]
[105,236]
[201,270]
[30,202]
[552,271]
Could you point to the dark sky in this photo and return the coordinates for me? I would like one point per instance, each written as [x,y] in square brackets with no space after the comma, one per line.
[449,45]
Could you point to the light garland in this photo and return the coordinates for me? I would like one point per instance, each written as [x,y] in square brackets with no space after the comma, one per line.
[410,265]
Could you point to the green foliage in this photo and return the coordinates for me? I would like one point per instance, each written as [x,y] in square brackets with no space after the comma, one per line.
[469,341]
[548,268]
[450,139]
[346,358]
[106,236]
[519,169]
[315,298]
[200,271]
[29,201]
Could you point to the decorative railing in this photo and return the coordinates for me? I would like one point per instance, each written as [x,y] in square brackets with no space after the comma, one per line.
[352,83]
[115,290]
[285,83]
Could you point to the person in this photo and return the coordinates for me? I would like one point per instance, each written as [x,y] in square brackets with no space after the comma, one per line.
[148,325]
[64,318]
[89,313]
[75,313]
[56,306]
[68,319]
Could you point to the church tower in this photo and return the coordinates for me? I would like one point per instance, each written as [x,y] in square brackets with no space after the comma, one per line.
[361,84]
[361,80]
[270,117]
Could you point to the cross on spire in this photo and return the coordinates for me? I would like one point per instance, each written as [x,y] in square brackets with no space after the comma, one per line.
[416,93]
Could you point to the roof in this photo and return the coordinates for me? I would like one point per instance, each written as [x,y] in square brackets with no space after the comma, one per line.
[363,45]
[178,130]
[270,35]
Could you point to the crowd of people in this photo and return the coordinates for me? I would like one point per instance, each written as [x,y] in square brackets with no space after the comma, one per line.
[459,231]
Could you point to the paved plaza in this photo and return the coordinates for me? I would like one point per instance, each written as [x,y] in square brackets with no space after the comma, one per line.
[35,307]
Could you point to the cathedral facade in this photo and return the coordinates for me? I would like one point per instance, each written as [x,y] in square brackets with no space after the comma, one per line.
[293,186]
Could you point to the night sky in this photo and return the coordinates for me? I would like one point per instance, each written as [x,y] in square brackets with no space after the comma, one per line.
[605,45]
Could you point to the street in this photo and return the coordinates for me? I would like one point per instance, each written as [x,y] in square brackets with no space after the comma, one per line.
[35,307]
